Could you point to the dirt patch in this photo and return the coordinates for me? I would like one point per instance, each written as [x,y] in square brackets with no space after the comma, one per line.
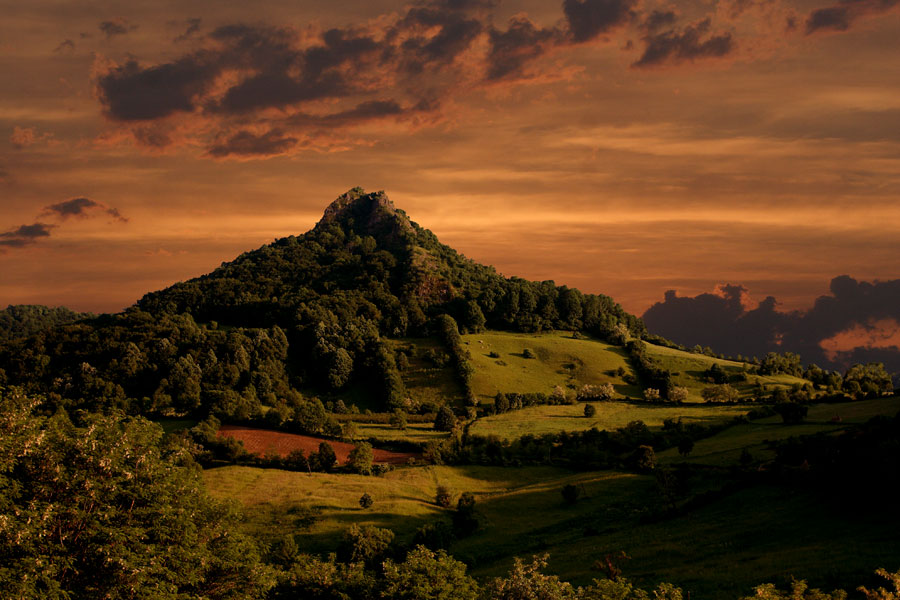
[265,441]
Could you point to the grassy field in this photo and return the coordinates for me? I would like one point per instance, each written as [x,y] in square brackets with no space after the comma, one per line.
[718,551]
[537,420]
[725,448]
[424,381]
[687,370]
[276,500]
[560,360]
[414,432]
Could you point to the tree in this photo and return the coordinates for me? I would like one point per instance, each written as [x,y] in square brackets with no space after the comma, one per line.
[651,395]
[361,458]
[685,445]
[324,459]
[527,582]
[108,509]
[528,353]
[366,501]
[465,519]
[791,413]
[398,420]
[678,394]
[445,420]
[428,575]
[365,544]
[590,411]
[720,393]
[643,459]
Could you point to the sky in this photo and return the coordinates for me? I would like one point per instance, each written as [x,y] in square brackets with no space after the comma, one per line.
[625,147]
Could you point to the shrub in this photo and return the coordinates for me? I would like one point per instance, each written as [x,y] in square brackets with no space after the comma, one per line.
[570,493]
[651,395]
[366,501]
[443,497]
[528,353]
[590,410]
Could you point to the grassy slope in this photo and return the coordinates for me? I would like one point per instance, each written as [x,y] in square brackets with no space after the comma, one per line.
[726,447]
[423,380]
[716,551]
[610,415]
[561,360]
[690,367]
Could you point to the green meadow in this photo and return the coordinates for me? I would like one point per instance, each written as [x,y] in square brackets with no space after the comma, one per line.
[537,420]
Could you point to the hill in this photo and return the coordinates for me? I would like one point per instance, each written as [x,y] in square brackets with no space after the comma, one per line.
[307,315]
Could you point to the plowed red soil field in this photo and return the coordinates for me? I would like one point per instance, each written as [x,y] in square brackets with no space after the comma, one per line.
[263,441]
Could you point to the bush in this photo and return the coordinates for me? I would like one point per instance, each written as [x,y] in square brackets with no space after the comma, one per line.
[651,395]
[791,413]
[528,353]
[366,501]
[445,420]
[590,410]
[570,493]
[443,497]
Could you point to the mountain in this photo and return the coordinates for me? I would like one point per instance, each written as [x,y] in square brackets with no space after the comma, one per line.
[312,312]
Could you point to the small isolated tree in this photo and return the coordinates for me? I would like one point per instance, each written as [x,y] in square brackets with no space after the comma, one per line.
[398,420]
[643,459]
[651,395]
[443,497]
[570,493]
[445,420]
[361,458]
[590,411]
[720,393]
[465,519]
[685,446]
[350,430]
[791,413]
[366,501]
[324,459]
[678,394]
[528,353]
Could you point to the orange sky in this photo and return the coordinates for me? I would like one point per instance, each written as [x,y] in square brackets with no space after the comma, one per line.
[621,146]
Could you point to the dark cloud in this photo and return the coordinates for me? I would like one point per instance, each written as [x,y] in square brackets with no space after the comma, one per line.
[134,93]
[193,26]
[689,44]
[588,19]
[521,43]
[455,36]
[659,19]
[65,47]
[722,322]
[25,235]
[248,144]
[841,16]
[114,27]
[80,208]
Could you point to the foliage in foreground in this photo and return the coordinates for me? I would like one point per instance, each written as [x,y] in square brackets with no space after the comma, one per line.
[106,510]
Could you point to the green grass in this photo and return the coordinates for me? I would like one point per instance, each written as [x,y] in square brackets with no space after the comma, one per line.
[538,420]
[717,551]
[404,498]
[687,370]
[423,380]
[560,360]
[414,432]
[725,447]
[175,425]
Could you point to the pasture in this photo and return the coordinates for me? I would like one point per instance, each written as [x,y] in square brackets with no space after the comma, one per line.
[537,420]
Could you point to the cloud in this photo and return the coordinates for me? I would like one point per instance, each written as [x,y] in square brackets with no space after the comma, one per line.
[248,144]
[65,47]
[588,19]
[842,15]
[114,27]
[856,319]
[521,43]
[81,208]
[22,137]
[193,26]
[691,43]
[25,235]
